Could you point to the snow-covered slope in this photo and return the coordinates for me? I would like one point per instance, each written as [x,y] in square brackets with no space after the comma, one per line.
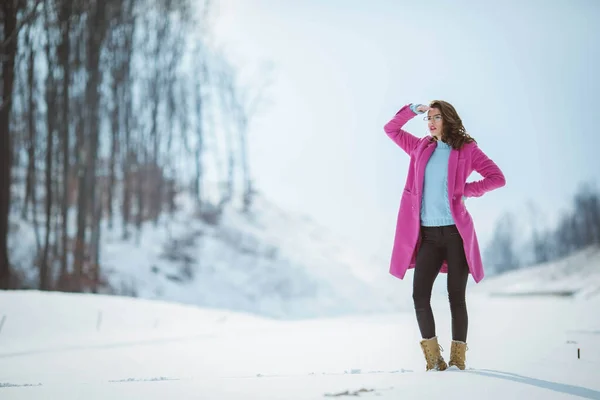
[577,275]
[269,262]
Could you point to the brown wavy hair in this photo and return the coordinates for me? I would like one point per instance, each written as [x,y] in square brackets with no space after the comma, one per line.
[454,132]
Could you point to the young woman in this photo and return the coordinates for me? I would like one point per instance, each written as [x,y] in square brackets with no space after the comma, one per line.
[434,231]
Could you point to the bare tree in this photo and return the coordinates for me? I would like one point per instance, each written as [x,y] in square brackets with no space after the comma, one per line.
[501,252]
[242,104]
[586,211]
[31,180]
[540,237]
[126,106]
[200,101]
[97,24]
[51,99]
[65,16]
[11,26]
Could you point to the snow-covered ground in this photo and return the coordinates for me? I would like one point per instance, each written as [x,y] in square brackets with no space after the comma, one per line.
[272,306]
[81,346]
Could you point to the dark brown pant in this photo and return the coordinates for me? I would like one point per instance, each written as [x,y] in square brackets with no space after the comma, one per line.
[439,243]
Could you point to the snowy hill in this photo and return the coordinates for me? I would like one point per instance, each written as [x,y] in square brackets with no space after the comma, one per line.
[577,275]
[269,262]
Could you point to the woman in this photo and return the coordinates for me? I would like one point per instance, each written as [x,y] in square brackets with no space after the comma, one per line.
[434,231]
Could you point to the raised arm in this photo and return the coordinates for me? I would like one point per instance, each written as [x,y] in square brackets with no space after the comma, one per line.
[395,132]
[493,178]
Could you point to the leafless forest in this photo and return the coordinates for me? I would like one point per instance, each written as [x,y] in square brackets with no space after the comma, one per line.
[101,100]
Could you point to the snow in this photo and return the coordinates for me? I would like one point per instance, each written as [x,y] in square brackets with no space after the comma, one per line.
[577,275]
[270,305]
[269,262]
[72,346]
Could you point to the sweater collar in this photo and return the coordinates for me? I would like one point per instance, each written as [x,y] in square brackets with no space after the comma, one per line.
[443,145]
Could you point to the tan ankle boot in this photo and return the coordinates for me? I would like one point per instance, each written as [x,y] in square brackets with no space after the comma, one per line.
[431,351]
[457,354]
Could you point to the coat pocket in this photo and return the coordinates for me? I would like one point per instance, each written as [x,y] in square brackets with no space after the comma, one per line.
[409,202]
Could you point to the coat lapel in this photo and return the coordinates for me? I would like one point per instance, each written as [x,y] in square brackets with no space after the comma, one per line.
[452,164]
[422,163]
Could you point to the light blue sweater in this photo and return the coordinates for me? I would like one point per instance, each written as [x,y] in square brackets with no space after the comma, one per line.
[435,205]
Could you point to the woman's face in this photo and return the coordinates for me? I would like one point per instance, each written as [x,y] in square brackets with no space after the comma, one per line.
[435,122]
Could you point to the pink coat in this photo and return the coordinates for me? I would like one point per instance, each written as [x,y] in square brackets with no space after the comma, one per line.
[462,162]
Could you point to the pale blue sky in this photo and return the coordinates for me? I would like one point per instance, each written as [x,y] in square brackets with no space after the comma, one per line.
[522,74]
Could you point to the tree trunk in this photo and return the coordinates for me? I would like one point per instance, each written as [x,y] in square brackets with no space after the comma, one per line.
[127,189]
[50,116]
[127,100]
[30,186]
[29,178]
[87,199]
[82,202]
[199,142]
[113,150]
[9,22]
[247,191]
[140,178]
[96,38]
[64,60]
[95,248]
[81,162]
[127,161]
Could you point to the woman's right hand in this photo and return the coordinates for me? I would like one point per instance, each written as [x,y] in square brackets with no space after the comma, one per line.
[422,108]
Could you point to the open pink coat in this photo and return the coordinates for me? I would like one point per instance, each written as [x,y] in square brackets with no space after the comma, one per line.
[462,162]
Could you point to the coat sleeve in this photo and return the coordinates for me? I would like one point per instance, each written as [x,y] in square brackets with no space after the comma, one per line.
[395,132]
[493,178]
